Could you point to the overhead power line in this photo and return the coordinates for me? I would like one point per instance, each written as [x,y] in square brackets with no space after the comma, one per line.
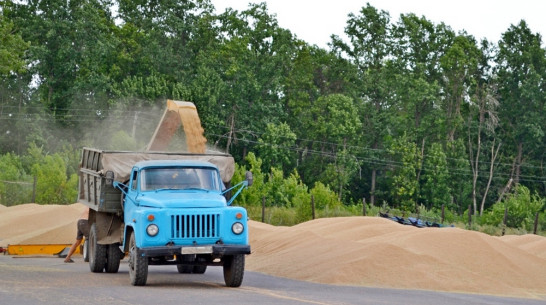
[12,113]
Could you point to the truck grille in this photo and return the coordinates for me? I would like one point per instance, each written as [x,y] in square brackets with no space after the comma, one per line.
[195,226]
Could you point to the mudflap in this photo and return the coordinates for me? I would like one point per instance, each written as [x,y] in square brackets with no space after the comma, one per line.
[109,228]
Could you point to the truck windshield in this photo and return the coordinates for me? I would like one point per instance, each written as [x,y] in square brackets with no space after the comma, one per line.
[180,178]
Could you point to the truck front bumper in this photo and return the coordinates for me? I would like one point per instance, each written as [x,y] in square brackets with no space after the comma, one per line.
[214,250]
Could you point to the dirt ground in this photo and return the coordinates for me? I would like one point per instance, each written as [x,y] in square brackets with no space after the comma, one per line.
[360,251]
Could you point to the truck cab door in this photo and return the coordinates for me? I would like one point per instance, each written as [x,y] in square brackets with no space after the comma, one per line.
[133,190]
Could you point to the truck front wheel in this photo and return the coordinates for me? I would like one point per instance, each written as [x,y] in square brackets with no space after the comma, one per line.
[138,265]
[97,253]
[234,269]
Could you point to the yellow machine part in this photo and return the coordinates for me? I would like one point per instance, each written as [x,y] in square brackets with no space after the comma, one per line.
[49,249]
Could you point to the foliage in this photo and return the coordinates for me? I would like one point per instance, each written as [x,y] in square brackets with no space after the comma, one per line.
[56,177]
[254,194]
[14,183]
[435,190]
[12,49]
[404,174]
[278,216]
[522,207]
[394,113]
[52,186]
[280,191]
[276,146]
[324,197]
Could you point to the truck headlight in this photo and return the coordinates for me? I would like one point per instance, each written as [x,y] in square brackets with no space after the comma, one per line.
[152,230]
[237,228]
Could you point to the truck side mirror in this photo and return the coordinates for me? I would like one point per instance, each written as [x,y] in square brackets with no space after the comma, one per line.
[249,179]
[109,178]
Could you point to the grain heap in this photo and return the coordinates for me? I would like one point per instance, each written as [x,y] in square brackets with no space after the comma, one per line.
[361,251]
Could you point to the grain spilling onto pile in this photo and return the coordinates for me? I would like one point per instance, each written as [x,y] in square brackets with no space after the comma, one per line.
[192,128]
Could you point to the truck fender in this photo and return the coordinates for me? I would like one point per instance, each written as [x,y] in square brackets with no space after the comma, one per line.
[126,236]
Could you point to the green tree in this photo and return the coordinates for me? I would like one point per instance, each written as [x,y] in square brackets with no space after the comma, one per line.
[53,186]
[406,160]
[419,46]
[12,48]
[482,124]
[160,33]
[324,197]
[460,68]
[522,207]
[459,175]
[339,173]
[276,146]
[71,53]
[254,194]
[335,125]
[369,51]
[435,190]
[15,185]
[335,120]
[521,74]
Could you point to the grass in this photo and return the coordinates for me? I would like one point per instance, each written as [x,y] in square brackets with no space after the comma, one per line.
[283,216]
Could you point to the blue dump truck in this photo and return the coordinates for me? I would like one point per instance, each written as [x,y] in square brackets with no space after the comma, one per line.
[163,208]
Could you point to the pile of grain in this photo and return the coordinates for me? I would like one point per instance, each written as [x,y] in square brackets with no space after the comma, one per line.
[366,251]
[378,252]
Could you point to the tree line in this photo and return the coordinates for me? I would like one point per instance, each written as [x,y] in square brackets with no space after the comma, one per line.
[404,112]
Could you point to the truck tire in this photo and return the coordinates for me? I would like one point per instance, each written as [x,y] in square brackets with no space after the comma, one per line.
[138,265]
[85,250]
[97,253]
[234,269]
[113,258]
[185,268]
[199,269]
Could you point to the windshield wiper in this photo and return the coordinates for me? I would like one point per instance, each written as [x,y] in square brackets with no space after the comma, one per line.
[166,189]
[196,189]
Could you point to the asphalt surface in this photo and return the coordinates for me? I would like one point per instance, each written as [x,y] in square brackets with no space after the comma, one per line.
[47,280]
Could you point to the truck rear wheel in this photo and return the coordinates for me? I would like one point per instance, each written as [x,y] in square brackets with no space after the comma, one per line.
[199,269]
[138,265]
[234,269]
[97,253]
[185,268]
[113,258]
[85,250]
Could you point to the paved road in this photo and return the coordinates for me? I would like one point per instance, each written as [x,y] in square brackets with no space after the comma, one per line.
[47,280]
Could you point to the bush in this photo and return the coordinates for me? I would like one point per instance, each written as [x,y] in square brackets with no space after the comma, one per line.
[52,186]
[15,185]
[278,216]
[522,208]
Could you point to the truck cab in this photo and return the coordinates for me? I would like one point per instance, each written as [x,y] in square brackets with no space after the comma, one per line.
[176,212]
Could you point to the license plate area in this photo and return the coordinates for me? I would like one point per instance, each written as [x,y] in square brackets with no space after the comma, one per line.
[197,250]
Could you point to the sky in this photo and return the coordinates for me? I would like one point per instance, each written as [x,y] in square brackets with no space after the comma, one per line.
[315,21]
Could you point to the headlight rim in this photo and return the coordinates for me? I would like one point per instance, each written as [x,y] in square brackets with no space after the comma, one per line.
[149,229]
[237,228]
